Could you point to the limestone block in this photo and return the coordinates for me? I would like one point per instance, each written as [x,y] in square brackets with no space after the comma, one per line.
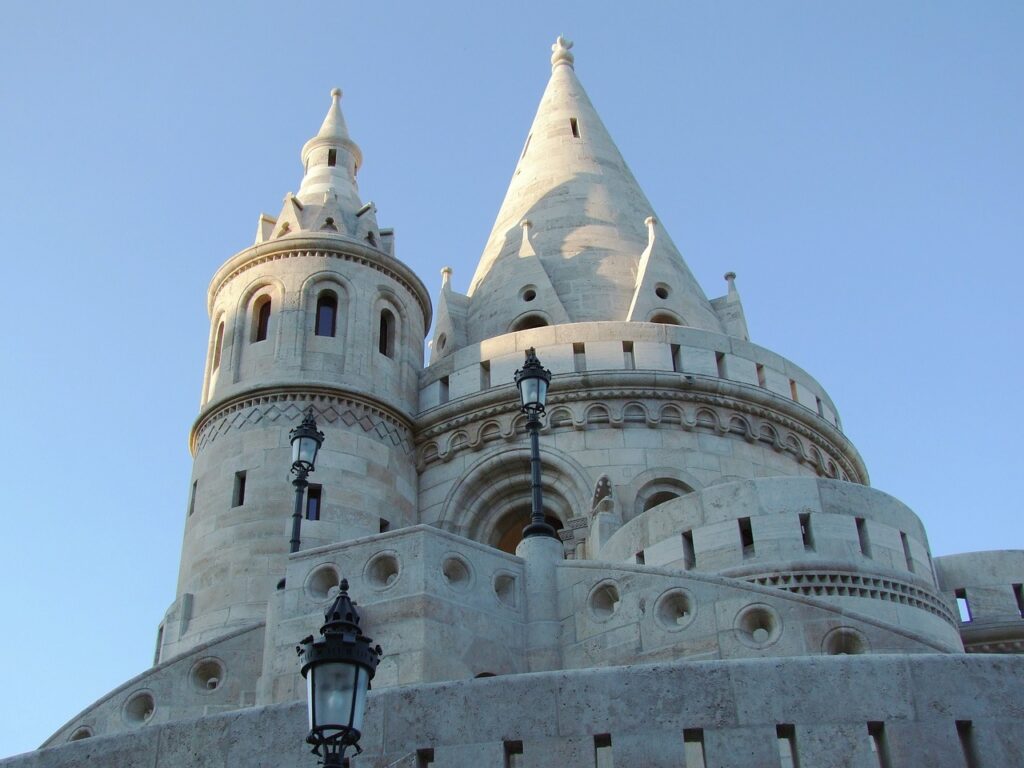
[652,356]
[651,749]
[465,381]
[740,747]
[740,369]
[605,355]
[698,361]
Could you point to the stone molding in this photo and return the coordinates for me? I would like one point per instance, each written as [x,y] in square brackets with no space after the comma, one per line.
[331,406]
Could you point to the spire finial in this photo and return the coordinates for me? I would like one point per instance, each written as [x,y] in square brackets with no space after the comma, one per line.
[560,52]
[336,93]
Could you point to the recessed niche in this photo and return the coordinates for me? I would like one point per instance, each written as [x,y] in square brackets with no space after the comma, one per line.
[758,625]
[457,573]
[207,675]
[604,600]
[442,342]
[528,293]
[662,291]
[843,641]
[675,609]
[322,581]
[82,732]
[383,570]
[505,589]
[139,708]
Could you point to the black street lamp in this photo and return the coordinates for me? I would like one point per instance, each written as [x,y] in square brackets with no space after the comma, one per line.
[306,440]
[532,380]
[338,669]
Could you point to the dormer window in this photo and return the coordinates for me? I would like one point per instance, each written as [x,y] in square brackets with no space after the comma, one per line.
[332,157]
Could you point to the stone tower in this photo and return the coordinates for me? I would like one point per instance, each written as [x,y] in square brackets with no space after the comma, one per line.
[726,589]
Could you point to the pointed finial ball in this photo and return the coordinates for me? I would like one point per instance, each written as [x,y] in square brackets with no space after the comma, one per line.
[730,276]
[560,52]
[336,93]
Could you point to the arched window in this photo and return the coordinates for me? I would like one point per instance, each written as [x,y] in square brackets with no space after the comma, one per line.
[261,319]
[218,345]
[529,321]
[386,341]
[326,314]
[664,318]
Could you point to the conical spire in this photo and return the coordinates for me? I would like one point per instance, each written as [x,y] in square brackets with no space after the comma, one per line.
[331,160]
[588,224]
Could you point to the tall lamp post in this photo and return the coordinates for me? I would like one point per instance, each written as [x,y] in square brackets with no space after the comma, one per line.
[338,669]
[532,380]
[306,440]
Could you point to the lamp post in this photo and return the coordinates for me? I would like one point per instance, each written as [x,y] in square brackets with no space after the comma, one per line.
[532,380]
[306,440]
[338,669]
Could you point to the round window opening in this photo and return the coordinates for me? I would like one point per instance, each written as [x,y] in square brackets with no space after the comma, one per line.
[529,293]
[505,589]
[383,570]
[207,675]
[674,609]
[844,641]
[758,626]
[322,582]
[662,290]
[82,732]
[604,600]
[139,708]
[456,573]
[442,342]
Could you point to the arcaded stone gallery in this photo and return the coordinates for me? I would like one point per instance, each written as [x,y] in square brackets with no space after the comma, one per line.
[723,589]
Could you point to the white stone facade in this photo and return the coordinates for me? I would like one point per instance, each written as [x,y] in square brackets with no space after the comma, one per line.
[726,588]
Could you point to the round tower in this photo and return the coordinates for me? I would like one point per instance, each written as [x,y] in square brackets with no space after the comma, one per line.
[317,313]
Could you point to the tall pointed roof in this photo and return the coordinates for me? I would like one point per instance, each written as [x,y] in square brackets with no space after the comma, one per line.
[588,231]
[331,160]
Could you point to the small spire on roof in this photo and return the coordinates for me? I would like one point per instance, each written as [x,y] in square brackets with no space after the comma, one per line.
[560,52]
[334,123]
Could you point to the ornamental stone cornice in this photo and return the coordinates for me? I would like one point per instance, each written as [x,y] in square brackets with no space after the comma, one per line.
[350,407]
[324,245]
[610,386]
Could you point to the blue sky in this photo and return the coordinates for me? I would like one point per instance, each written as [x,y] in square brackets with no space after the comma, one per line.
[859,165]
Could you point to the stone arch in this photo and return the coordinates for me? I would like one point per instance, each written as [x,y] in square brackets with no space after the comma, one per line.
[254,292]
[215,353]
[658,485]
[493,495]
[531,319]
[665,317]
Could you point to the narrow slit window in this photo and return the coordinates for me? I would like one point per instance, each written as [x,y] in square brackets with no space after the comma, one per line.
[963,605]
[326,314]
[965,732]
[792,391]
[1018,593]
[689,554]
[159,644]
[786,736]
[761,380]
[627,355]
[677,359]
[238,494]
[485,374]
[442,394]
[579,357]
[513,754]
[424,757]
[386,340]
[385,525]
[603,751]
[332,157]
[526,146]
[720,364]
[862,535]
[805,531]
[693,748]
[218,345]
[906,551]
[746,536]
[261,320]
[879,745]
[639,556]
[821,408]
[574,126]
[192,498]
[314,500]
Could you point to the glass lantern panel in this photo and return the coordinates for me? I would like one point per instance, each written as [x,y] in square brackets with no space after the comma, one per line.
[528,390]
[362,684]
[542,391]
[304,450]
[334,685]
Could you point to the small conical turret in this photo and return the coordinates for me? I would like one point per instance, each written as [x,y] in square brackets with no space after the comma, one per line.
[331,160]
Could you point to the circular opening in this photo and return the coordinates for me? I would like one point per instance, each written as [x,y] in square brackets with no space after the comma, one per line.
[758,626]
[322,582]
[604,600]
[529,293]
[82,732]
[442,342]
[139,708]
[505,589]
[844,641]
[662,290]
[382,570]
[456,573]
[207,674]
[674,609]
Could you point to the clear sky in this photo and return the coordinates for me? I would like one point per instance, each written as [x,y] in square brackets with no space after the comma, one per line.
[858,164]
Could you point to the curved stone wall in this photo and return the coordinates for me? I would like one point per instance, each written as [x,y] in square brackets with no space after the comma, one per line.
[989,588]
